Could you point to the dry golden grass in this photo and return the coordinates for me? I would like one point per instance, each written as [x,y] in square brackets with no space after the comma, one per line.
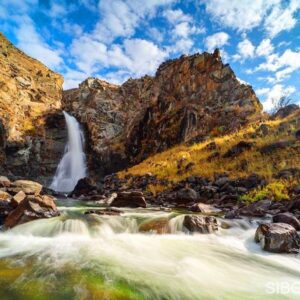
[165,165]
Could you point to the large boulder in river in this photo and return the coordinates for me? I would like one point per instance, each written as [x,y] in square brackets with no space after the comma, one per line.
[27,186]
[287,218]
[84,186]
[278,238]
[201,224]
[129,199]
[32,208]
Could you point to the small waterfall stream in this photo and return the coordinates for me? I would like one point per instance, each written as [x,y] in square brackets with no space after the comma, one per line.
[72,166]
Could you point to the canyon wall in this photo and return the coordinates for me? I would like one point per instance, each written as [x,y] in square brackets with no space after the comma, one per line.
[189,99]
[32,134]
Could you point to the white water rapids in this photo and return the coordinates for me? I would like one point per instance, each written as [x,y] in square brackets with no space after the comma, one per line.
[72,166]
[225,265]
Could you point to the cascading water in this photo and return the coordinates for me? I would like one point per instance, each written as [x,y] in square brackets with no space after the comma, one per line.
[72,166]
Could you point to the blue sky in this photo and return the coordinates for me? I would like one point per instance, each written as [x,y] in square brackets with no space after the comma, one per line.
[118,39]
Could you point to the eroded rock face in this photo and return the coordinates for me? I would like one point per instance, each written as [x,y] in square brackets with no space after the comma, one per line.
[278,238]
[189,98]
[30,98]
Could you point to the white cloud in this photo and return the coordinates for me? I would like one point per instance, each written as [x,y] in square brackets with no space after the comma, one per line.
[72,78]
[283,65]
[216,40]
[245,49]
[274,15]
[281,18]
[265,48]
[176,16]
[121,18]
[274,94]
[237,14]
[136,57]
[33,44]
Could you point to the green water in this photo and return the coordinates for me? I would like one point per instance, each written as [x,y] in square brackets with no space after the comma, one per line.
[77,256]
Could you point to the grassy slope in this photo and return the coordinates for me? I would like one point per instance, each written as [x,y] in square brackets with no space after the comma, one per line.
[172,164]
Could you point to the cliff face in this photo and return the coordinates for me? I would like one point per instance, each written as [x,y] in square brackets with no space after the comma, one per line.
[190,98]
[30,99]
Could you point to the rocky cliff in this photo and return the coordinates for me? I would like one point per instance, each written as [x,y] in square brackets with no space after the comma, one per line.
[190,98]
[32,134]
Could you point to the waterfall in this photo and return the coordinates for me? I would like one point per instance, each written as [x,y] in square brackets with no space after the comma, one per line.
[72,166]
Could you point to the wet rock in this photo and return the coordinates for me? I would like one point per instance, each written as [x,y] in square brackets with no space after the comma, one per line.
[5,209]
[18,198]
[105,212]
[232,214]
[278,238]
[201,224]
[32,208]
[287,218]
[238,149]
[84,186]
[27,186]
[129,199]
[159,226]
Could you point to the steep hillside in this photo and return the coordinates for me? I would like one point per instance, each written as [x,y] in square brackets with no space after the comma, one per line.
[189,98]
[29,94]
[271,149]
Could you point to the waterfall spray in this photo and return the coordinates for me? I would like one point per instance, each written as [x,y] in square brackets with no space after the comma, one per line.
[72,166]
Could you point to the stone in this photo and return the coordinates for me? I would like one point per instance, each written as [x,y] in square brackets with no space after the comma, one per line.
[159,226]
[200,224]
[186,195]
[257,209]
[131,199]
[4,182]
[205,208]
[287,218]
[18,198]
[29,187]
[278,238]
[286,111]
[32,208]
[104,212]
[84,186]
[4,196]
[297,134]
[238,149]
[269,148]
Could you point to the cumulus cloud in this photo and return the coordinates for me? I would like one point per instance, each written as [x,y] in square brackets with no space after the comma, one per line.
[265,48]
[31,42]
[274,15]
[274,94]
[216,40]
[245,49]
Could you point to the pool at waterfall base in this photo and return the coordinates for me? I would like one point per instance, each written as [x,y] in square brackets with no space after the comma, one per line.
[90,256]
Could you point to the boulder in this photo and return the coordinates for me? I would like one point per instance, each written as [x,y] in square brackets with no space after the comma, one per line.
[4,196]
[272,147]
[257,209]
[129,199]
[238,149]
[4,182]
[18,198]
[278,238]
[27,186]
[287,218]
[160,226]
[201,224]
[84,186]
[32,208]
[205,208]
[186,195]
